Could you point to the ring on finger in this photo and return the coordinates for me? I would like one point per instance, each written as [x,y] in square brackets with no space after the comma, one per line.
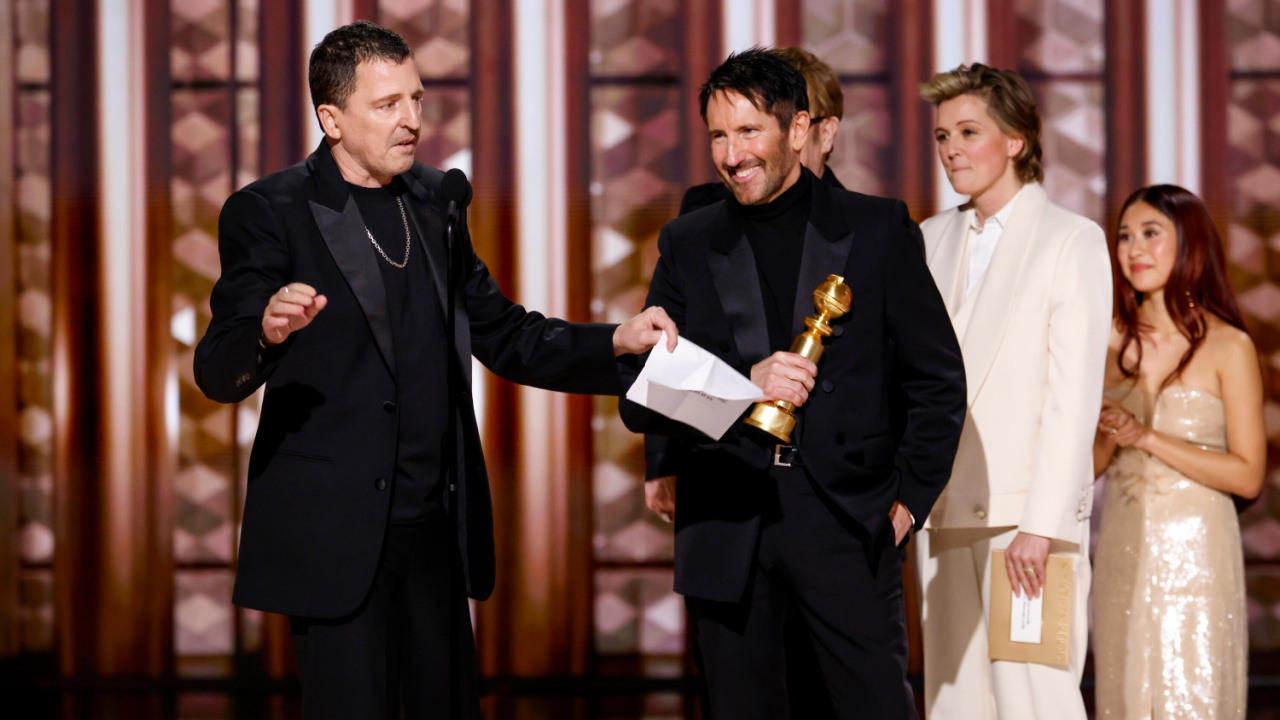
[1029,570]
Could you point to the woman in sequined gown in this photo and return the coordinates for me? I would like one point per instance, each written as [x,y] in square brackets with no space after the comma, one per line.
[1181,432]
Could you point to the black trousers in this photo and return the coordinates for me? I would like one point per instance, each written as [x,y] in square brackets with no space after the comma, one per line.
[816,567]
[390,658]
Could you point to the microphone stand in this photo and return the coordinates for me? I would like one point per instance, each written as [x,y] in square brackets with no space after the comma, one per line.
[450,469]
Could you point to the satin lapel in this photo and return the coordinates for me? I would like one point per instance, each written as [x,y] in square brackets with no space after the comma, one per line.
[998,287]
[733,272]
[822,256]
[344,233]
[944,262]
[428,224]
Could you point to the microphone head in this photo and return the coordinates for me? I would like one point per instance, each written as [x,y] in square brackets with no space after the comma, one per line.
[455,188]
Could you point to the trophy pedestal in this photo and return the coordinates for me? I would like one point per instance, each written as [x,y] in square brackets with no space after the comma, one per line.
[773,420]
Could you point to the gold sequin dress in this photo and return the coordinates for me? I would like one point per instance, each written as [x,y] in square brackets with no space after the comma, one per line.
[1169,603]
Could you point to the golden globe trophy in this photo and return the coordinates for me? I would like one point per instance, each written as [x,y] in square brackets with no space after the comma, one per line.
[832,299]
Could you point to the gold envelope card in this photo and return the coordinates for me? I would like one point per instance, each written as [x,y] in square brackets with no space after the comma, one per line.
[1054,646]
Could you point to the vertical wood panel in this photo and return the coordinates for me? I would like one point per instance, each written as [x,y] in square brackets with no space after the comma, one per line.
[367,10]
[788,30]
[1126,104]
[158,360]
[704,50]
[8,351]
[911,50]
[1215,99]
[74,234]
[1002,34]
[281,85]
[491,221]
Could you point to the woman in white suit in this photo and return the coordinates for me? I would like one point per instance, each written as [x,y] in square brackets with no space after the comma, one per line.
[1028,287]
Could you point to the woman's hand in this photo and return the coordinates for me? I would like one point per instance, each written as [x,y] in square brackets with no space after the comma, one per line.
[1120,424]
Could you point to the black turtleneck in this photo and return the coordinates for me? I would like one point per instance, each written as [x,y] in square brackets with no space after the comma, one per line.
[417,327]
[776,232]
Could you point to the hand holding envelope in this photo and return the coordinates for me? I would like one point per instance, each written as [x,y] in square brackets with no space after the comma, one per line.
[694,387]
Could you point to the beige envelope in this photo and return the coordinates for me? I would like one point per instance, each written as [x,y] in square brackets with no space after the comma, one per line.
[1055,636]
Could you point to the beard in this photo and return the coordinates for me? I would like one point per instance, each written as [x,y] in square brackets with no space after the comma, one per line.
[768,183]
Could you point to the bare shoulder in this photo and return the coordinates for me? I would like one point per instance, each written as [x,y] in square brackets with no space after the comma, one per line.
[1230,348]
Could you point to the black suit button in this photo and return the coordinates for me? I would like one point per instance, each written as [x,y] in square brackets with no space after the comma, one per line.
[839,438]
[828,386]
[380,484]
[389,406]
[837,331]
[725,346]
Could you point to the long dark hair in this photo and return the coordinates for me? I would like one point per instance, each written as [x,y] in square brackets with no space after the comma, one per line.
[1197,284]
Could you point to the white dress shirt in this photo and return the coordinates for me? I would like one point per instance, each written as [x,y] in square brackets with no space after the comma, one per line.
[983,240]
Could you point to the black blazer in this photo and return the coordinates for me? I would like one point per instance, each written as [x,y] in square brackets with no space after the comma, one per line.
[897,341]
[318,499]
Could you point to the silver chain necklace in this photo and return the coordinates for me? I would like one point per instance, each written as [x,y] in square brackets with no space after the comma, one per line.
[407,239]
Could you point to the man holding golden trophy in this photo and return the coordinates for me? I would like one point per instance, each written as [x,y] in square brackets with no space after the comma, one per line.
[803,509]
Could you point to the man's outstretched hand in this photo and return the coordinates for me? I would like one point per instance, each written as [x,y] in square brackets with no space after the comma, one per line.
[292,308]
[643,331]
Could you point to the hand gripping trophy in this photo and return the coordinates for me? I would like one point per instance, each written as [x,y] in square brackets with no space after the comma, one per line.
[832,299]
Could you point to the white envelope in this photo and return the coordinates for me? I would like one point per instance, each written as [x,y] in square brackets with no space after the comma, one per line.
[694,387]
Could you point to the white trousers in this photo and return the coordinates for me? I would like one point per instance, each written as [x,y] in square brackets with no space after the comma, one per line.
[960,681]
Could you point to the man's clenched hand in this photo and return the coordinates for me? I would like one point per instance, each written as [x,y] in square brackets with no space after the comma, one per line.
[292,308]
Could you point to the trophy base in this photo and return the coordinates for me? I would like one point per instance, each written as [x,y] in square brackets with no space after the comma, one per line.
[773,420]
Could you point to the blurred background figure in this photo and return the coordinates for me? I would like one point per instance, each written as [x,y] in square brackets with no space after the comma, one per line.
[1181,436]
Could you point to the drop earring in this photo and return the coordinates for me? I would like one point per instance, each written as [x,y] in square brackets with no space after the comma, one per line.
[1190,300]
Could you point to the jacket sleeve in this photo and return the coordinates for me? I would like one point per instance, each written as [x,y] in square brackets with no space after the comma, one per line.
[529,348]
[254,256]
[1079,327]
[929,368]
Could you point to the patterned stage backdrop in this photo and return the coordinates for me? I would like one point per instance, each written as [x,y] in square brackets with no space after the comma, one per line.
[32,245]
[850,36]
[1061,50]
[439,33]
[214,64]
[637,178]
[1253,240]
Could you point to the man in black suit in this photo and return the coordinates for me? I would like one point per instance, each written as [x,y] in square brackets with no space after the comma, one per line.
[817,525]
[334,293]
[805,688]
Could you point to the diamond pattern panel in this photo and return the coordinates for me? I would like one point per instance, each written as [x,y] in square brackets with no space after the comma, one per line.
[849,35]
[31,40]
[445,141]
[863,154]
[202,164]
[33,250]
[201,32]
[437,30]
[35,610]
[203,618]
[1061,36]
[1253,33]
[1074,140]
[637,179]
[1253,246]
[635,37]
[636,613]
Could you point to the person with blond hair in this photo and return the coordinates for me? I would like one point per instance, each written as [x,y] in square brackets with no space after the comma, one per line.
[1028,287]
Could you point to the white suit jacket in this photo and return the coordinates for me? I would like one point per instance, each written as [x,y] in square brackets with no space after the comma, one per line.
[1034,335]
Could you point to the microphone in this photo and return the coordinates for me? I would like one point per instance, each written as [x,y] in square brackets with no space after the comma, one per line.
[455,191]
